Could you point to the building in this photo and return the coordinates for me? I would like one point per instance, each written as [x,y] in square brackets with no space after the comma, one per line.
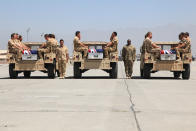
[3,56]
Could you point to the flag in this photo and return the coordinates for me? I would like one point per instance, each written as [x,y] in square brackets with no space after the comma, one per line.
[33,51]
[92,51]
[99,50]
[167,52]
[26,52]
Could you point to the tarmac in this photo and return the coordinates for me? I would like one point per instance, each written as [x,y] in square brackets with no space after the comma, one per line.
[97,103]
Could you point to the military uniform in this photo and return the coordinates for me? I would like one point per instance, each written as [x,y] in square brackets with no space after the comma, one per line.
[128,56]
[185,49]
[11,46]
[62,60]
[147,47]
[78,48]
[112,48]
[22,45]
[51,46]
[13,49]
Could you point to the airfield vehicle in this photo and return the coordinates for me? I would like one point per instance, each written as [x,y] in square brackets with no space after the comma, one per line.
[166,62]
[95,60]
[23,63]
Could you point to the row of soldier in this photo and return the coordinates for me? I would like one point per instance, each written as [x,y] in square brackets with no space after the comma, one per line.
[15,45]
[129,51]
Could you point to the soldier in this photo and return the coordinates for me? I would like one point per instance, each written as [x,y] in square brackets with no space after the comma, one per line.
[62,58]
[21,44]
[112,45]
[51,45]
[44,44]
[188,39]
[150,47]
[13,44]
[128,56]
[184,45]
[187,36]
[79,46]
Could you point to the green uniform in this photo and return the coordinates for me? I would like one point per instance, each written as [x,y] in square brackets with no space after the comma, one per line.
[62,59]
[128,56]
[112,48]
[78,47]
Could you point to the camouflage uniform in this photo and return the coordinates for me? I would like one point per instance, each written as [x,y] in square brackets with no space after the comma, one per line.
[22,45]
[128,56]
[13,49]
[185,49]
[78,48]
[112,48]
[62,59]
[51,46]
[147,47]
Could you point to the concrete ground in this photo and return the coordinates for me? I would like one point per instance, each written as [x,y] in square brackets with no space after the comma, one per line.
[96,103]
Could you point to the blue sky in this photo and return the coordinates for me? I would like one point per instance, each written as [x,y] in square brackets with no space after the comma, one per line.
[64,17]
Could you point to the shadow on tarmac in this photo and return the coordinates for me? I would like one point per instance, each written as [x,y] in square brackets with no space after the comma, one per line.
[156,78]
[98,77]
[71,77]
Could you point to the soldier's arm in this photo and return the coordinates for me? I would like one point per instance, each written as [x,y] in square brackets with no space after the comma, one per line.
[43,45]
[25,47]
[17,47]
[182,44]
[134,54]
[109,44]
[189,39]
[82,44]
[10,44]
[154,45]
[57,54]
[123,53]
[67,55]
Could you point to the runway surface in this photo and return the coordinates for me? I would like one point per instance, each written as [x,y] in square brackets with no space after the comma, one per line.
[97,103]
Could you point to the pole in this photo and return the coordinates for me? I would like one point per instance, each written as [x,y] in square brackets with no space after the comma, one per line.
[27,36]
[28,30]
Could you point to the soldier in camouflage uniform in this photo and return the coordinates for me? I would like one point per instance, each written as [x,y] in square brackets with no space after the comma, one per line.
[21,43]
[50,46]
[14,46]
[112,45]
[79,46]
[150,47]
[62,58]
[188,48]
[44,44]
[184,45]
[128,56]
